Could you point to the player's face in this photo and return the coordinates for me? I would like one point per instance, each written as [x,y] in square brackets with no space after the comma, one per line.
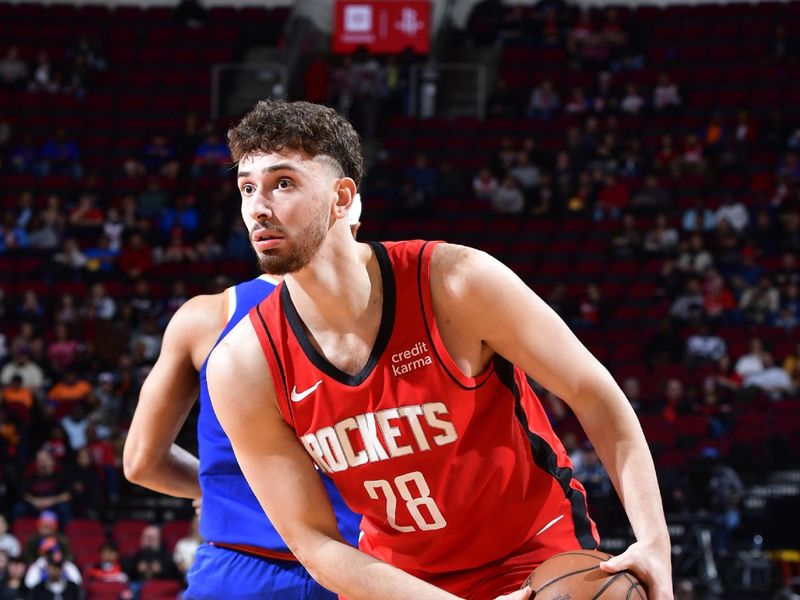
[286,206]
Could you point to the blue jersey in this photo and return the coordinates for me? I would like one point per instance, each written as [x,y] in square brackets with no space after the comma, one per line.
[231,513]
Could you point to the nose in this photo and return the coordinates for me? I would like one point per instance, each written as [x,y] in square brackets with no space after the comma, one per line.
[259,206]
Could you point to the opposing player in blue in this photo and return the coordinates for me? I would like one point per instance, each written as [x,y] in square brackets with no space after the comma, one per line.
[242,557]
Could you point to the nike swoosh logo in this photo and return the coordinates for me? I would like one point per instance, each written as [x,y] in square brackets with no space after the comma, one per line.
[298,397]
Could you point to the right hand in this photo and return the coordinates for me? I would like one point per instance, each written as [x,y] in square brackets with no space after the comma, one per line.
[522,594]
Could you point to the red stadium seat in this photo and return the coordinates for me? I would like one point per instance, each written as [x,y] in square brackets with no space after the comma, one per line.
[105,590]
[160,589]
[173,531]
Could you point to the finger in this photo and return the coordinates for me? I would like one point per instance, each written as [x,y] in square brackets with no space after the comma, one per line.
[522,594]
[616,563]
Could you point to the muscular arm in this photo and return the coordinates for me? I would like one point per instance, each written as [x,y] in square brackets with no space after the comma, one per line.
[488,309]
[285,481]
[151,458]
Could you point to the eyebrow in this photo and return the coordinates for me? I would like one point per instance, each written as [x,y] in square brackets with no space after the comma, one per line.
[271,169]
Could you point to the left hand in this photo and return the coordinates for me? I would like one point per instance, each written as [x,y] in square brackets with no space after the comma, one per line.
[651,563]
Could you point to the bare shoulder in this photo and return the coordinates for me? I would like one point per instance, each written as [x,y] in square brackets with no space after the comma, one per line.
[196,325]
[205,311]
[239,354]
[457,271]
[238,369]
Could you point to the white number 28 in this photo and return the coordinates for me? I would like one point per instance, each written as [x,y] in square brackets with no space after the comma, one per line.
[413,504]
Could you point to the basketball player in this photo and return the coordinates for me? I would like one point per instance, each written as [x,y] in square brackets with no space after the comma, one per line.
[390,367]
[243,556]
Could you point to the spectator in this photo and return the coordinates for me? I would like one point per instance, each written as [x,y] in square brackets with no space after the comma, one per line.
[68,391]
[85,485]
[45,490]
[543,101]
[86,219]
[633,392]
[735,213]
[699,218]
[760,303]
[108,568]
[689,303]
[13,70]
[752,362]
[633,102]
[14,584]
[17,399]
[591,309]
[791,364]
[631,161]
[61,352]
[692,160]
[612,200]
[12,235]
[75,424]
[484,185]
[726,491]
[178,249]
[159,157]
[99,305]
[424,176]
[211,157]
[52,576]
[105,459]
[22,157]
[8,543]
[22,365]
[694,258]
[627,242]
[772,379]
[594,477]
[718,301]
[44,78]
[186,548]
[576,104]
[662,239]
[136,258]
[151,560]
[508,199]
[100,258]
[60,155]
[666,95]
[46,230]
[183,215]
[72,258]
[651,197]
[46,529]
[704,347]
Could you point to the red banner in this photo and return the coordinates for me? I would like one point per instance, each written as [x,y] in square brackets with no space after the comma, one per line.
[382,26]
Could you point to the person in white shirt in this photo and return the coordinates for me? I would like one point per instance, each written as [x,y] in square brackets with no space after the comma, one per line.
[734,213]
[8,543]
[753,362]
[186,548]
[772,379]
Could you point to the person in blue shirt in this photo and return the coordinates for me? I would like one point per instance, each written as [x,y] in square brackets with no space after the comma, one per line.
[242,556]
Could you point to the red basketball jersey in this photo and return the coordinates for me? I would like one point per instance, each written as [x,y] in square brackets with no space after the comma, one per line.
[450,472]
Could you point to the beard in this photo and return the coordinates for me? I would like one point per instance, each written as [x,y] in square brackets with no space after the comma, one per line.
[297,253]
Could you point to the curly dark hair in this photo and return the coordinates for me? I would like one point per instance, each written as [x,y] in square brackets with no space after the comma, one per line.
[312,128]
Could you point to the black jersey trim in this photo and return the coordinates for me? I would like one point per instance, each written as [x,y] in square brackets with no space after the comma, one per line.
[384,332]
[276,355]
[545,458]
[441,362]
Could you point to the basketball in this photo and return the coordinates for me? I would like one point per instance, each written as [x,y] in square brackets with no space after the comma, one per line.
[577,576]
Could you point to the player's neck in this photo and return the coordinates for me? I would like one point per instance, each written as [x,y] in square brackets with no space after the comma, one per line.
[337,287]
